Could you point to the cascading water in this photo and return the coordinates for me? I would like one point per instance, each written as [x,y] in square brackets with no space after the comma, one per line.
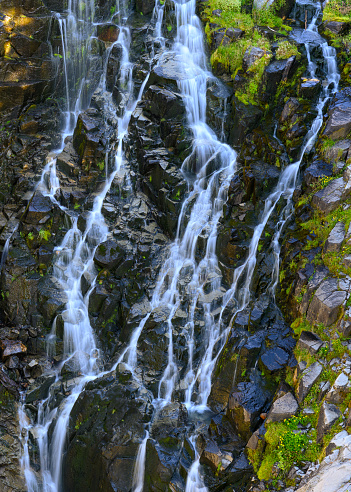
[207,197]
[74,258]
[199,217]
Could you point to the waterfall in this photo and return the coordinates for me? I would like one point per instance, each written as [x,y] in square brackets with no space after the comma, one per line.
[73,258]
[213,163]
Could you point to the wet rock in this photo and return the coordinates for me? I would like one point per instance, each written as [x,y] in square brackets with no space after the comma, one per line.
[283,408]
[10,348]
[40,206]
[335,238]
[113,66]
[162,103]
[108,33]
[274,359]
[145,6]
[105,428]
[330,197]
[310,89]
[339,120]
[277,71]
[75,365]
[89,140]
[67,161]
[339,389]
[211,455]
[109,254]
[252,54]
[40,388]
[309,341]
[245,406]
[309,377]
[328,415]
[290,108]
[326,303]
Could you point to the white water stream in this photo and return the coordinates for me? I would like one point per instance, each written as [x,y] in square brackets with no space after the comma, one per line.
[200,214]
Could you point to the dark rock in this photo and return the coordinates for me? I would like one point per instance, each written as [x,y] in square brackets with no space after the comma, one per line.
[337,27]
[277,71]
[339,120]
[245,407]
[211,455]
[40,206]
[310,89]
[67,161]
[41,388]
[316,171]
[77,363]
[145,6]
[113,66]
[163,103]
[309,341]
[274,359]
[109,254]
[328,415]
[252,54]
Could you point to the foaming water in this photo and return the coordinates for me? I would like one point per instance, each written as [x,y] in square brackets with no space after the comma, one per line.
[73,259]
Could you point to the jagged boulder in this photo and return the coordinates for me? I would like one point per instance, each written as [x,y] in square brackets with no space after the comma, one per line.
[326,303]
[309,377]
[339,120]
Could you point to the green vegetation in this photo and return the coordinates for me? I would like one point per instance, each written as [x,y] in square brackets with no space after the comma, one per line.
[229,55]
[286,50]
[337,10]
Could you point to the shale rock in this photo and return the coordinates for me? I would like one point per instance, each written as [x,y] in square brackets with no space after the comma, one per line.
[339,121]
[330,197]
[335,238]
[310,341]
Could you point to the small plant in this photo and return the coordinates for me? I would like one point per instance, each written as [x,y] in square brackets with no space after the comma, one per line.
[30,236]
[44,235]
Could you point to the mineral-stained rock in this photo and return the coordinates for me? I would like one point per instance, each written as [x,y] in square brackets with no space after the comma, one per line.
[283,408]
[10,348]
[106,427]
[309,377]
[245,406]
[328,415]
[107,32]
[326,303]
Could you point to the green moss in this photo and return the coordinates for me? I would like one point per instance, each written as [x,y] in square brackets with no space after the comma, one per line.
[286,50]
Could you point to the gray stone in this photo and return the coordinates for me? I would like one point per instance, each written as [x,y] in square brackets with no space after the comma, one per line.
[338,152]
[339,122]
[347,261]
[325,305]
[310,341]
[339,389]
[328,415]
[337,27]
[335,238]
[309,377]
[324,388]
[345,327]
[330,197]
[283,408]
[74,365]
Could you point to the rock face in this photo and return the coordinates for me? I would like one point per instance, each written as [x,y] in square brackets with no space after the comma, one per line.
[335,238]
[105,431]
[326,303]
[328,415]
[330,197]
[283,408]
[333,475]
[309,377]
[310,341]
[339,121]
